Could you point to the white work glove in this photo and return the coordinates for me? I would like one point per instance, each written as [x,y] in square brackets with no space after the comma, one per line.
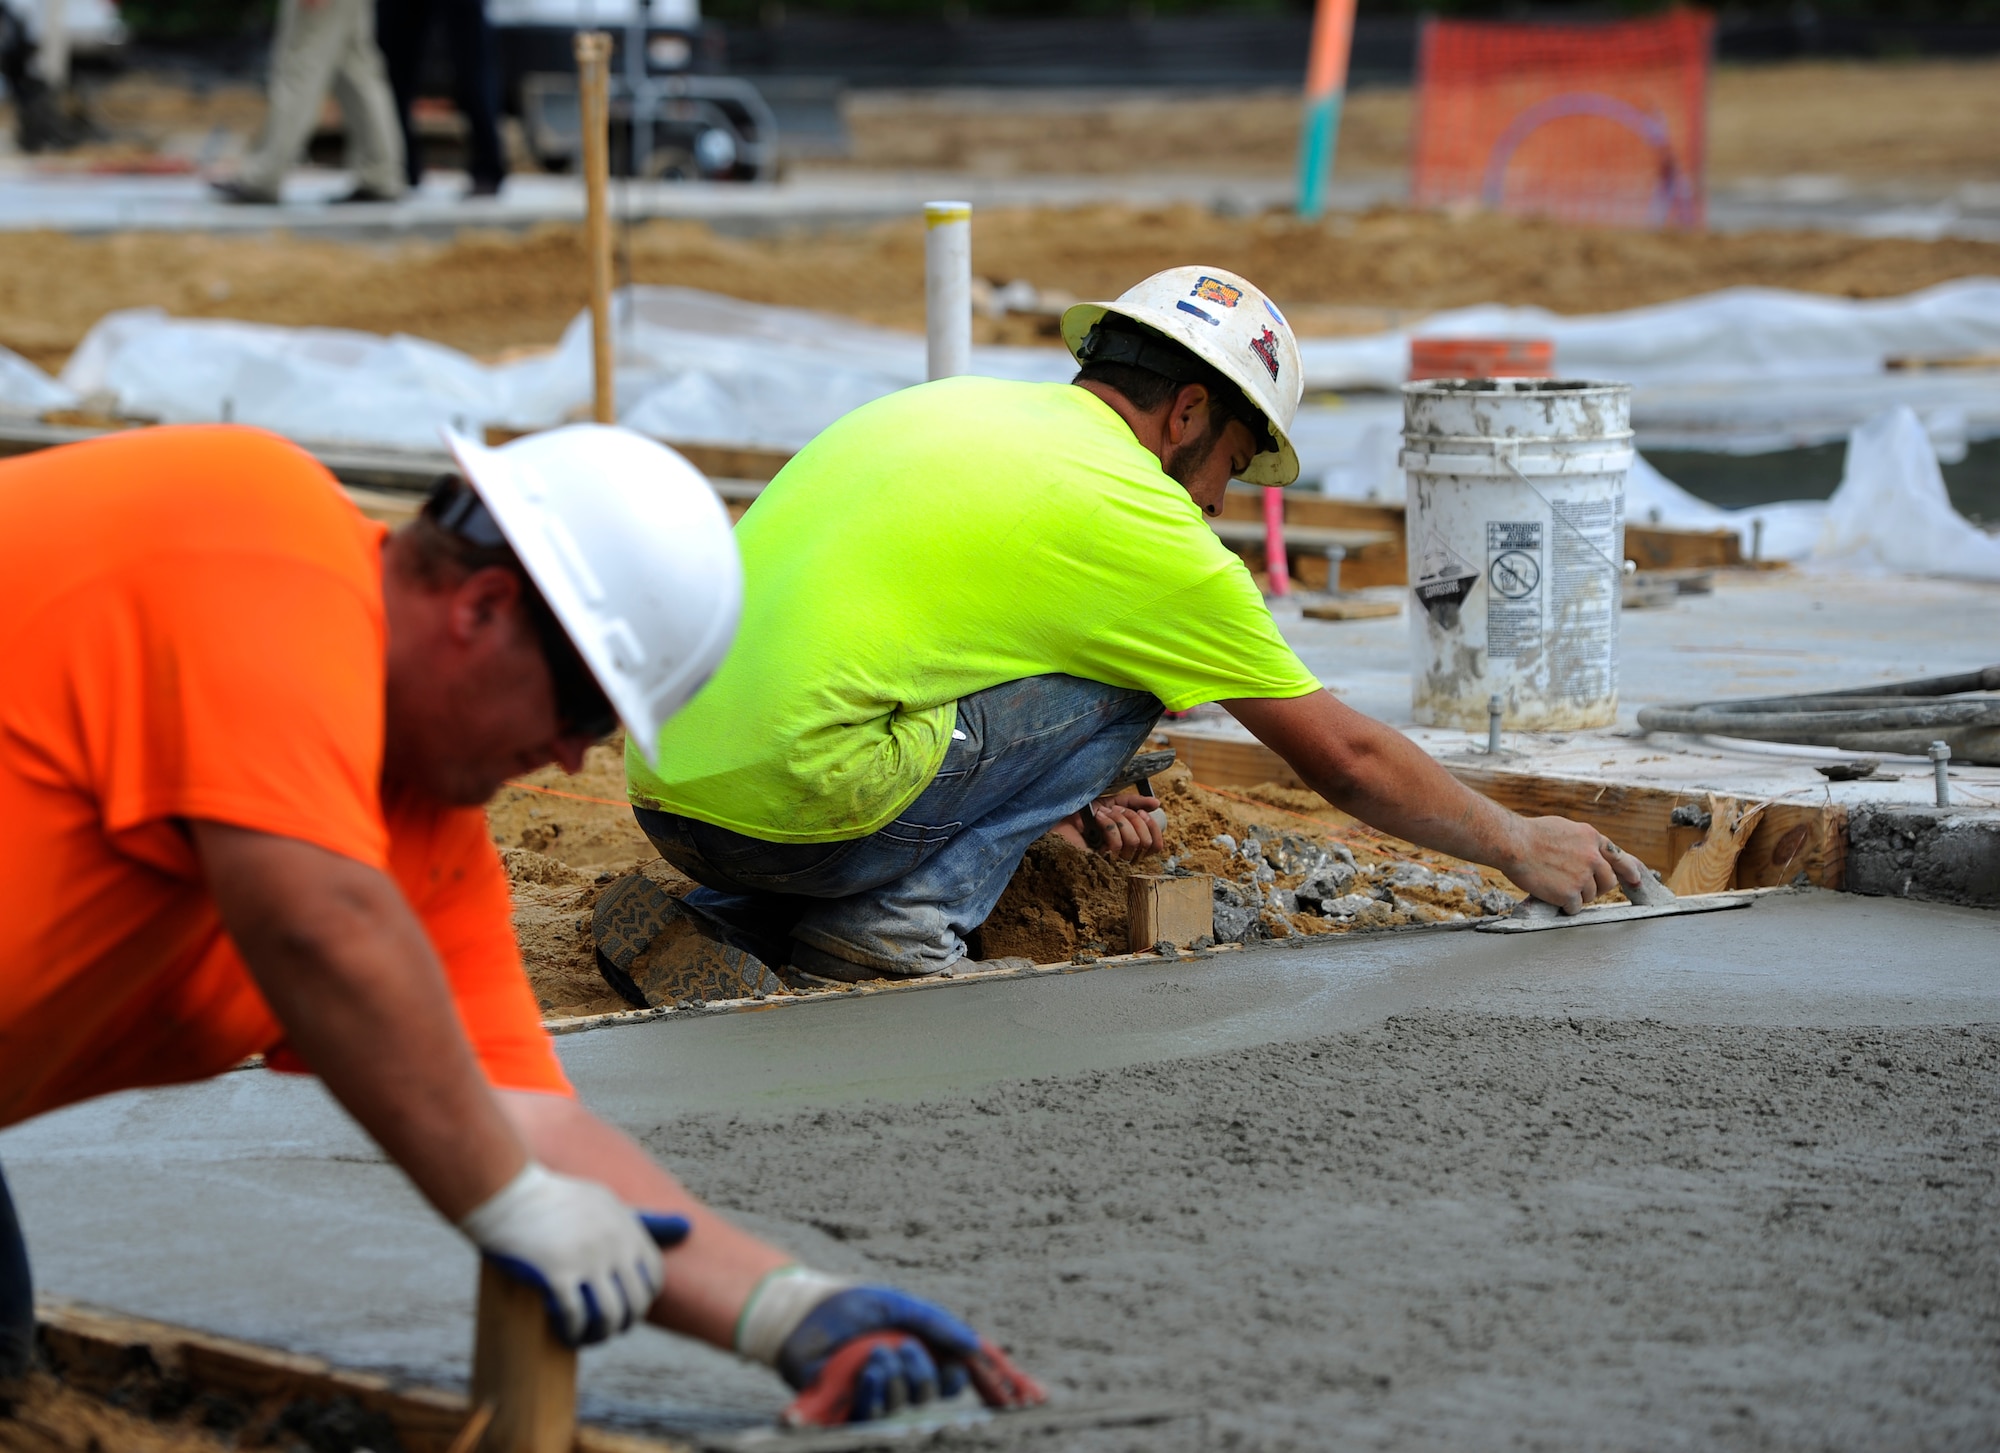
[590,1255]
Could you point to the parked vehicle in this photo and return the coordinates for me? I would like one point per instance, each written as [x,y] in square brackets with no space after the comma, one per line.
[671,116]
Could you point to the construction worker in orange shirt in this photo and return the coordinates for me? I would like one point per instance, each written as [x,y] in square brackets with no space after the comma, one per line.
[245,735]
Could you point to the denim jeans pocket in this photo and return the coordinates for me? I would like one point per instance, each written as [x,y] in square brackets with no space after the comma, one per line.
[766,865]
[903,845]
[905,833]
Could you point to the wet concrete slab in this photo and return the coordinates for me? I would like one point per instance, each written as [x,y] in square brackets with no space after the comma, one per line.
[251,1206]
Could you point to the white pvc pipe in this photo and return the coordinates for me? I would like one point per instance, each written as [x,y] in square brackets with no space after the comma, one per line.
[948,288]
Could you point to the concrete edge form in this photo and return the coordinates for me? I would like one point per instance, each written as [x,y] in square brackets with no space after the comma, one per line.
[1938,854]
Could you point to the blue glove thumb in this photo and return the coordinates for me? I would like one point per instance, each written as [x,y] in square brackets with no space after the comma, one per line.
[858,1311]
[666,1231]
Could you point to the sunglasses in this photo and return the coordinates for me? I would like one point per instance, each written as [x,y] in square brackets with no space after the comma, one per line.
[582,709]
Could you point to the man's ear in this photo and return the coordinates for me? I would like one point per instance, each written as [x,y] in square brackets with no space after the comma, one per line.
[482,598]
[1187,414]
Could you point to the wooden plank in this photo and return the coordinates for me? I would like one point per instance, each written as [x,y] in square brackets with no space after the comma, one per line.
[95,1348]
[393,508]
[1636,818]
[1320,538]
[1230,761]
[1385,564]
[1352,608]
[1794,838]
[1169,910]
[1656,549]
[716,460]
[520,1367]
[1381,561]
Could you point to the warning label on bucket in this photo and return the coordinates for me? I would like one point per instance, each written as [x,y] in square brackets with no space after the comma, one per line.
[1514,594]
[1444,579]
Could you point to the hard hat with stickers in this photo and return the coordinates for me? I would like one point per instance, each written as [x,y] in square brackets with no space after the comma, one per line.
[1227,323]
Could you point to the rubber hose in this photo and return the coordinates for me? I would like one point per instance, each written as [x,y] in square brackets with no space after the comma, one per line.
[1889,718]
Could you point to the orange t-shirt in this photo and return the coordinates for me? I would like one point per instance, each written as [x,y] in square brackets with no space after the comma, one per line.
[192,626]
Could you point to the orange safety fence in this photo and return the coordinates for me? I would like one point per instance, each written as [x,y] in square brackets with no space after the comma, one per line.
[1599,123]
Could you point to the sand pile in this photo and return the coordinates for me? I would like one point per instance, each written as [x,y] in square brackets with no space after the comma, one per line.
[564,839]
[1284,862]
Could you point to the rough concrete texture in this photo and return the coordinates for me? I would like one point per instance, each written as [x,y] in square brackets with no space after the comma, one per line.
[1718,1180]
[1452,1231]
[1939,854]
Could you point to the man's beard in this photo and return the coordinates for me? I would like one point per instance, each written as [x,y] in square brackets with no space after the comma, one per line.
[1189,458]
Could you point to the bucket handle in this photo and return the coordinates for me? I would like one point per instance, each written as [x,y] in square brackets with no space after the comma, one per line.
[1504,452]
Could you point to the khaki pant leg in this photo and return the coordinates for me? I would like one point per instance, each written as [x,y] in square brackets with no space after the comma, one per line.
[304,56]
[361,84]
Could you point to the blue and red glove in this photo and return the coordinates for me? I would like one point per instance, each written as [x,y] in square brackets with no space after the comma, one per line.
[860,1352]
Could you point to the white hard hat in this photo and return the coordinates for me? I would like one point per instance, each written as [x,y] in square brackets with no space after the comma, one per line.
[631,549]
[1229,324]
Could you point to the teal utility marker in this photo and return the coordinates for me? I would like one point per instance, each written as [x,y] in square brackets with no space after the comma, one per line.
[1326,86]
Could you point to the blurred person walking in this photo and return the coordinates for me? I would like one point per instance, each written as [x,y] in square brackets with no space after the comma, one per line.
[404,28]
[321,46]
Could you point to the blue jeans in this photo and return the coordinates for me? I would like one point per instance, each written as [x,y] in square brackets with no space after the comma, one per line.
[17,1293]
[1023,756]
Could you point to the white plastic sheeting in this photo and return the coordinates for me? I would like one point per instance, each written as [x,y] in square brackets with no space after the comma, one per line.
[323,385]
[1891,511]
[1751,335]
[1786,531]
[691,365]
[705,368]
[1741,370]
[25,391]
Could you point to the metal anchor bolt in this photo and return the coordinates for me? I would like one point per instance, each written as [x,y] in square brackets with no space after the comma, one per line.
[1941,754]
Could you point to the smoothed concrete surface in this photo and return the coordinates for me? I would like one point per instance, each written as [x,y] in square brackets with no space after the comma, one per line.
[251,1206]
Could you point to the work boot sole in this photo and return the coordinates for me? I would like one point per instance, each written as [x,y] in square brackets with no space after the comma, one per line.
[652,952]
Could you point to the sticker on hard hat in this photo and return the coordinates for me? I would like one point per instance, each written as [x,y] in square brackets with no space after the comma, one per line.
[1186,307]
[1215,290]
[1266,349]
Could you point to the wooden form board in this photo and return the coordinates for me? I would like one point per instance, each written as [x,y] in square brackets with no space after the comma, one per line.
[1386,562]
[93,1349]
[1378,558]
[1790,838]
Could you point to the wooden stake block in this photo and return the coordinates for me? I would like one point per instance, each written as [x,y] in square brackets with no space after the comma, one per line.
[522,1368]
[1347,608]
[1169,910]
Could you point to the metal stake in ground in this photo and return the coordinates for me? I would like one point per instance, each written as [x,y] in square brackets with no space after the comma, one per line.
[593,82]
[947,289]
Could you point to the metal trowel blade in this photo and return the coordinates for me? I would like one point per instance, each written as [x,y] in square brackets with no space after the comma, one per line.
[915,1425]
[1534,916]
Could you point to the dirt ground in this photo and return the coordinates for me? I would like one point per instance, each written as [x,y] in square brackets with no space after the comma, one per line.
[1885,121]
[1450,1231]
[1894,122]
[490,293]
[1284,861]
[148,1411]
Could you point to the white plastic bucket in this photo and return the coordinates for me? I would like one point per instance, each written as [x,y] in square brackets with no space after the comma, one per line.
[1516,532]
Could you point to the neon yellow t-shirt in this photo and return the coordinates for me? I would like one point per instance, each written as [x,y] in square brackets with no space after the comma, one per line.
[929,545]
